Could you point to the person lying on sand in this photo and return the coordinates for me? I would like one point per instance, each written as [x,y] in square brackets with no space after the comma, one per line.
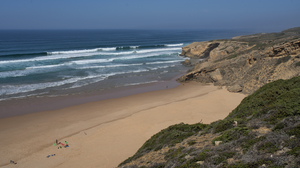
[50,155]
[11,161]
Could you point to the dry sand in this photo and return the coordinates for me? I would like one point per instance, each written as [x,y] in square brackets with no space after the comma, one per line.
[105,133]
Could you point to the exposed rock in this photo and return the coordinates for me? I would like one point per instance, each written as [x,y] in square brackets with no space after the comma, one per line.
[284,150]
[218,142]
[198,49]
[246,69]
[235,88]
[290,48]
[186,62]
[200,162]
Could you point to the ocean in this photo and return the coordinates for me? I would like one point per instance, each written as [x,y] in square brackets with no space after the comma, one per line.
[51,63]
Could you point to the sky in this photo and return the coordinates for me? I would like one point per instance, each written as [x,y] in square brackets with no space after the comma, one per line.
[257,15]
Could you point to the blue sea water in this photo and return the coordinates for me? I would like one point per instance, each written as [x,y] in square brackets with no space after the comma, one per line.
[49,63]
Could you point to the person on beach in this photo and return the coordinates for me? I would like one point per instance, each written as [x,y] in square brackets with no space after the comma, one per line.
[56,142]
[11,161]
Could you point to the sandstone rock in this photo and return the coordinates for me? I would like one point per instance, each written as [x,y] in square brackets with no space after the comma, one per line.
[200,162]
[198,49]
[290,48]
[284,150]
[235,88]
[186,62]
[230,160]
[216,75]
[188,157]
[218,142]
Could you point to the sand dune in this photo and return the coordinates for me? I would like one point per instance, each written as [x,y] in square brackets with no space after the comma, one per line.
[105,133]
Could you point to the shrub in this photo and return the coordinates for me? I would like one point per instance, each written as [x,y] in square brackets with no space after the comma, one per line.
[298,64]
[248,143]
[232,134]
[282,96]
[295,151]
[268,147]
[283,60]
[279,126]
[294,131]
[191,142]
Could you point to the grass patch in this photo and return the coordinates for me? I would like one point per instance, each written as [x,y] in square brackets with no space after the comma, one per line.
[268,147]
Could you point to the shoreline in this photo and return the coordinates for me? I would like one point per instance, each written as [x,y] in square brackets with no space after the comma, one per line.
[104,133]
[17,107]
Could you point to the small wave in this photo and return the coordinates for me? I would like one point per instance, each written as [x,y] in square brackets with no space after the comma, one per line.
[172,45]
[134,84]
[46,66]
[162,62]
[81,51]
[74,51]
[108,66]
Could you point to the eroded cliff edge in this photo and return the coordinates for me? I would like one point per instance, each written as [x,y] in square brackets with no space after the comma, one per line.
[245,63]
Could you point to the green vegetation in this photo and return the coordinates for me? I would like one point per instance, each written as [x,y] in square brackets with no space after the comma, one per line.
[167,137]
[191,142]
[298,64]
[279,99]
[172,153]
[240,164]
[295,151]
[279,126]
[283,60]
[295,131]
[268,147]
[276,106]
[248,143]
[232,134]
[192,163]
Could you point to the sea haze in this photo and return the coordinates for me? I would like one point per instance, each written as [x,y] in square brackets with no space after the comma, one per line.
[50,63]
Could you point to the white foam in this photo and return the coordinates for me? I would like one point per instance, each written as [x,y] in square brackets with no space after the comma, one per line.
[108,66]
[157,50]
[162,62]
[171,45]
[73,51]
[133,84]
[108,49]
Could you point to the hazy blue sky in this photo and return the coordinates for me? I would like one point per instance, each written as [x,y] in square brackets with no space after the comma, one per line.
[260,15]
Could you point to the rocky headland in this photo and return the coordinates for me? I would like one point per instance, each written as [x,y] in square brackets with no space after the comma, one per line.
[263,131]
[245,63]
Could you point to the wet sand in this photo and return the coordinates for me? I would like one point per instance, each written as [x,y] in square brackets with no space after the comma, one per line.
[104,133]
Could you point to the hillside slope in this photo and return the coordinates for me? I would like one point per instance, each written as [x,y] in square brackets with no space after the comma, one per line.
[263,131]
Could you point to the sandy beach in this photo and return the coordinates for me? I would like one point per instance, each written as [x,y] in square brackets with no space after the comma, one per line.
[105,133]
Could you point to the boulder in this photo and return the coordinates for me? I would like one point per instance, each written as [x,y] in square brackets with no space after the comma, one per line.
[235,88]
[187,62]
[218,142]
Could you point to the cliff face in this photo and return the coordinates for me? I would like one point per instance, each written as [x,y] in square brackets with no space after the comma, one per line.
[243,66]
